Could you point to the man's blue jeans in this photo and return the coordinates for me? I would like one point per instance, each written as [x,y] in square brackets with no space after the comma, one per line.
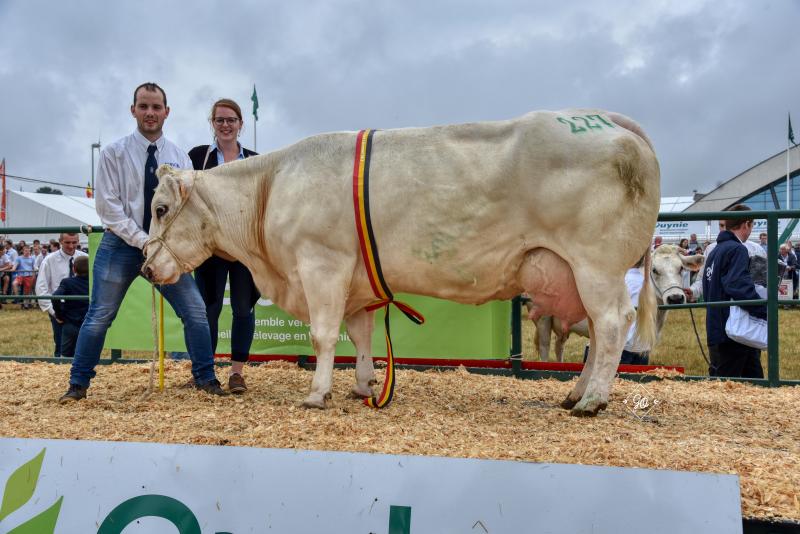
[116,266]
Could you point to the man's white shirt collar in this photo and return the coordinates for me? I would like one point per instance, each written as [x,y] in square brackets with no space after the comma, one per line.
[144,142]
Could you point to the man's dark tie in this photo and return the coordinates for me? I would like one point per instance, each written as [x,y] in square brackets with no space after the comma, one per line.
[71,272]
[150,184]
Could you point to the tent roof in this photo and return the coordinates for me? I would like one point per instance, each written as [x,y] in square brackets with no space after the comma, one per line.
[80,208]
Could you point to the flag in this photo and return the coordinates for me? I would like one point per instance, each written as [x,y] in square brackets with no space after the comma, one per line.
[254,98]
[3,201]
[89,191]
[791,133]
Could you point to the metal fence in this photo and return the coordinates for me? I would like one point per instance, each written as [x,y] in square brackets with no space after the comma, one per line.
[516,366]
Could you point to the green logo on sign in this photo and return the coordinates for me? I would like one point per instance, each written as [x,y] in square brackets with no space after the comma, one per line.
[167,508]
[19,490]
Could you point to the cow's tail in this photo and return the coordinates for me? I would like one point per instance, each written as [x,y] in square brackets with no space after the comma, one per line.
[648,308]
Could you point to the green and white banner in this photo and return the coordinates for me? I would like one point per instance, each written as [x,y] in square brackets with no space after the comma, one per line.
[450,331]
[69,487]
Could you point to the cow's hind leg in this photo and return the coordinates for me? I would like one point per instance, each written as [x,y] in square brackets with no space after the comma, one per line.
[544,326]
[325,289]
[575,395]
[607,303]
[359,328]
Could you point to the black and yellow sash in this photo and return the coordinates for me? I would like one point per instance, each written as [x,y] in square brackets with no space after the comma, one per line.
[369,251]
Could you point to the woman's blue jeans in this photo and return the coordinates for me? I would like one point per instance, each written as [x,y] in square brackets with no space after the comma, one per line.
[116,266]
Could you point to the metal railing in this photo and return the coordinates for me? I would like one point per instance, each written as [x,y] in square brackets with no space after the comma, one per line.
[773,354]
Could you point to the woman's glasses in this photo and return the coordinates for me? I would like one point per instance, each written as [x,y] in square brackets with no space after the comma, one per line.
[219,121]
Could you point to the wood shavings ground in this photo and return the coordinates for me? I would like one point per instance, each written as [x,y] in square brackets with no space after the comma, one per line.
[719,427]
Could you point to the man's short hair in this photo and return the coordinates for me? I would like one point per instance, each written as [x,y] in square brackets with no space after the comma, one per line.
[735,224]
[66,234]
[152,87]
[81,265]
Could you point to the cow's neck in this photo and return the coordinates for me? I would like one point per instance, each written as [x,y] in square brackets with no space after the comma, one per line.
[238,212]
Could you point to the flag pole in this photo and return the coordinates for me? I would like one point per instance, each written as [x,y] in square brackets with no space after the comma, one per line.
[789,140]
[254,98]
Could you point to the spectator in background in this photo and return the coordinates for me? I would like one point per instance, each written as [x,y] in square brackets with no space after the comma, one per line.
[726,277]
[694,246]
[12,254]
[683,245]
[36,252]
[70,313]
[762,240]
[788,260]
[54,245]
[24,270]
[5,273]
[55,267]
[657,242]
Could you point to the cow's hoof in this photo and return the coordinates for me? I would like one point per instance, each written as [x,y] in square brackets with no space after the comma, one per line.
[316,400]
[362,392]
[568,403]
[588,407]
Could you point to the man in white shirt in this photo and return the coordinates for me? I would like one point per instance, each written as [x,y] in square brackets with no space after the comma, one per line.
[123,193]
[54,268]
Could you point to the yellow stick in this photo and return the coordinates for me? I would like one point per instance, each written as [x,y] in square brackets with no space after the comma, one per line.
[161,345]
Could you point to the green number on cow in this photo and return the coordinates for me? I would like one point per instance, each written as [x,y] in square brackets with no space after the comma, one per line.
[588,124]
[601,119]
[573,127]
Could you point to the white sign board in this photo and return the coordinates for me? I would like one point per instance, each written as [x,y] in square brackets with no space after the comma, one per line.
[109,488]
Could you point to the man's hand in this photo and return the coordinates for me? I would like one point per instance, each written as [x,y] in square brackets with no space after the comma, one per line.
[689,294]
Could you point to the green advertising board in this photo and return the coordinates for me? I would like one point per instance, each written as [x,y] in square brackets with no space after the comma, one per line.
[450,331]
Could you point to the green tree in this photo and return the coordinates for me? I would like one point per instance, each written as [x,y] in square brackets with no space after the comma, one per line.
[49,190]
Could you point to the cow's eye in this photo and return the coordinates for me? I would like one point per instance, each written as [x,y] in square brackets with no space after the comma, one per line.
[161,211]
[655,271]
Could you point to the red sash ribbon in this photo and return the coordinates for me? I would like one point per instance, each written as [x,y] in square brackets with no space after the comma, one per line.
[369,251]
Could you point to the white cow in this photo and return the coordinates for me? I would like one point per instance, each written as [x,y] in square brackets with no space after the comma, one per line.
[469,213]
[666,275]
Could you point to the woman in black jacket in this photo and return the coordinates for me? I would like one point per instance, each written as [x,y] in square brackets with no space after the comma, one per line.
[212,275]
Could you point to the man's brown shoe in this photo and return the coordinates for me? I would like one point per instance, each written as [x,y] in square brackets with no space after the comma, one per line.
[236,384]
[73,394]
[213,388]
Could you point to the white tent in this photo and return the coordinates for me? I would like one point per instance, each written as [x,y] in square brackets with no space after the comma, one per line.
[39,209]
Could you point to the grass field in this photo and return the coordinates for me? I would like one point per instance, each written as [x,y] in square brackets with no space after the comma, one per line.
[27,333]
[678,344]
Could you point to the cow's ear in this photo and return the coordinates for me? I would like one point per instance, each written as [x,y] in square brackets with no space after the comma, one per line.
[693,263]
[185,184]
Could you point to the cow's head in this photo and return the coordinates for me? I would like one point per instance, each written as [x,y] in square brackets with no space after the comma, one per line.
[181,229]
[668,264]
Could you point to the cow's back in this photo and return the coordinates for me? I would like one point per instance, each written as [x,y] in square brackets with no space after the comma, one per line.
[455,208]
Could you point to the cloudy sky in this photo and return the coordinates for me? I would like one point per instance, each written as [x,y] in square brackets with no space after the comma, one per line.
[710,82]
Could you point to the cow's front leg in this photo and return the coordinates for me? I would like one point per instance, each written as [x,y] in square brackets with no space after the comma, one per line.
[325,292]
[359,328]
